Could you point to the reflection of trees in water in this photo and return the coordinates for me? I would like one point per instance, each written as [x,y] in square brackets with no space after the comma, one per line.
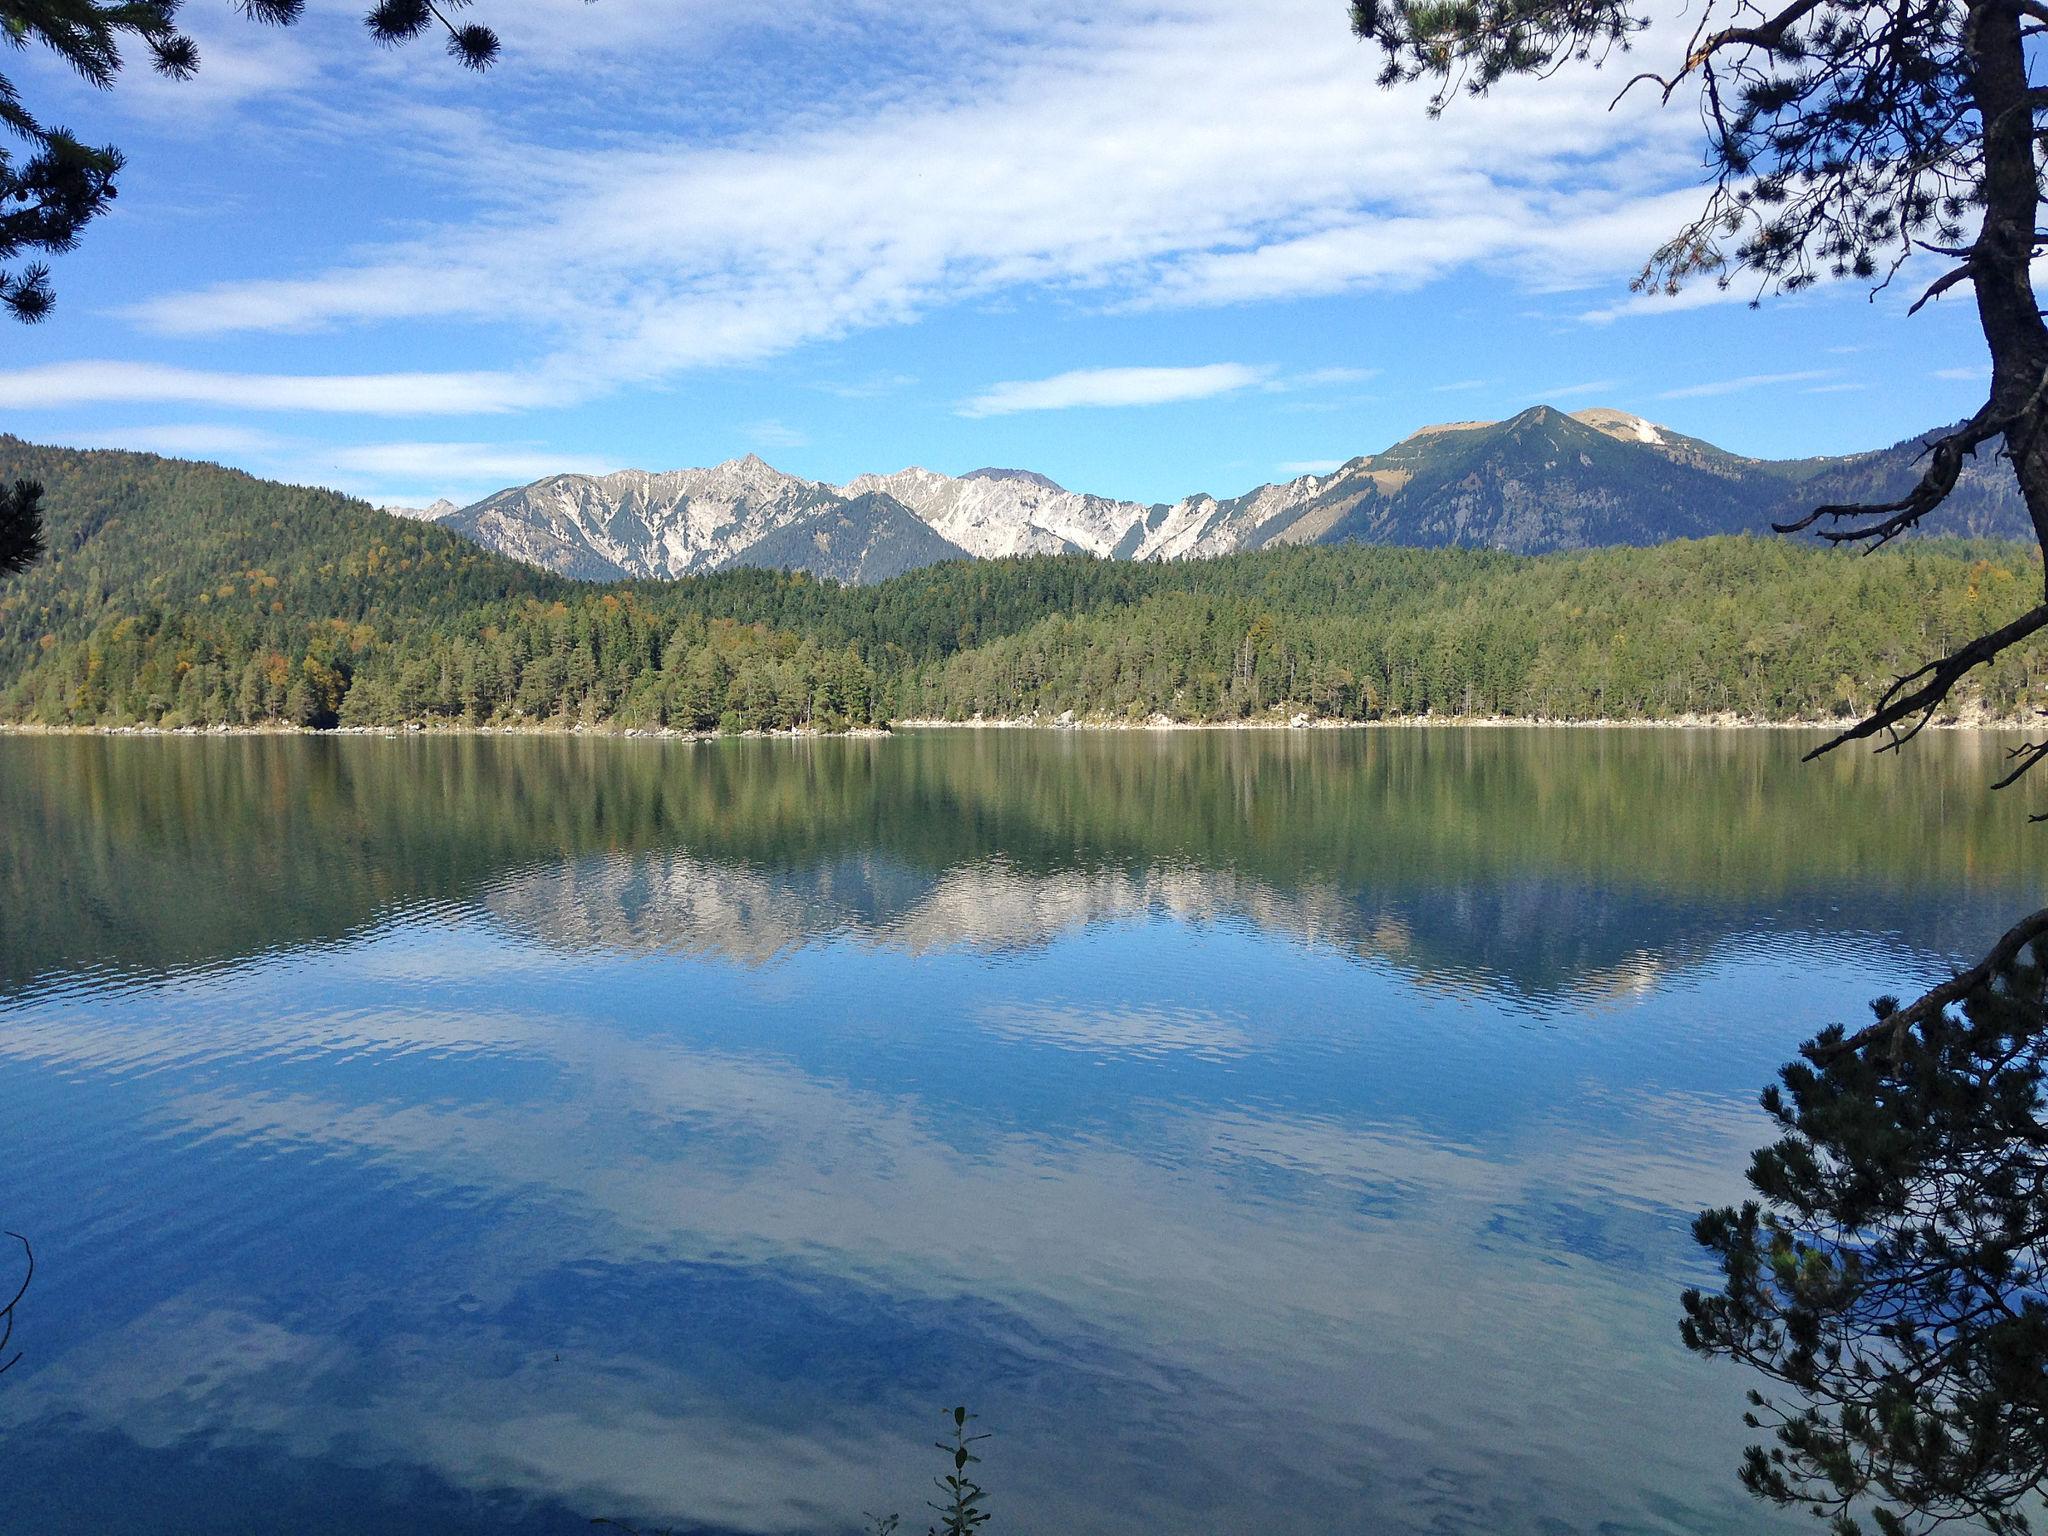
[1538,860]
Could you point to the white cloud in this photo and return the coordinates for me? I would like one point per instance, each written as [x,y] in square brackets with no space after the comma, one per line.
[373,394]
[458,463]
[1697,295]
[1572,391]
[1066,155]
[1295,467]
[1979,373]
[1736,386]
[1462,386]
[1325,378]
[1114,386]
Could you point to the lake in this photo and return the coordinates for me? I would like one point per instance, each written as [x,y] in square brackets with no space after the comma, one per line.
[1261,1131]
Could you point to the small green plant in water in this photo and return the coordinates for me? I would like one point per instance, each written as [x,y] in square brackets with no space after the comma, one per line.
[963,1513]
[965,1510]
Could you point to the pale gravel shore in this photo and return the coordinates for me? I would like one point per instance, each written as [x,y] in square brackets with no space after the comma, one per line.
[638,733]
[1443,722]
[1985,724]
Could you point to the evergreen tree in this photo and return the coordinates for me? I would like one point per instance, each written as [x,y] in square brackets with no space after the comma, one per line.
[1892,1275]
[21,522]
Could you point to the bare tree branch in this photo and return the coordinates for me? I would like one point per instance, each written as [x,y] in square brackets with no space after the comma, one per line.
[7,1312]
[1893,1026]
[1944,468]
[1941,284]
[1903,700]
[1770,35]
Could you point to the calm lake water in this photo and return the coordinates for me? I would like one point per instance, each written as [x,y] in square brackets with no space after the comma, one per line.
[1264,1132]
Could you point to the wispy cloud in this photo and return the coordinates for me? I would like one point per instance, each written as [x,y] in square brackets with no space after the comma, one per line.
[1066,157]
[369,394]
[1462,386]
[1572,391]
[873,387]
[1697,295]
[1737,386]
[1979,373]
[1319,379]
[456,464]
[1114,387]
[1295,467]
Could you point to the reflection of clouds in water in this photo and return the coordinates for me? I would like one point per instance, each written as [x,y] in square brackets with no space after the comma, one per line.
[1358,1297]
[1156,1030]
[1667,1150]
[189,1361]
[482,1404]
[646,1149]
[1366,1157]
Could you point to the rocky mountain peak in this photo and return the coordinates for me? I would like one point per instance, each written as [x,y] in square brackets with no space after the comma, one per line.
[1026,476]
[1625,426]
[1542,480]
[434,512]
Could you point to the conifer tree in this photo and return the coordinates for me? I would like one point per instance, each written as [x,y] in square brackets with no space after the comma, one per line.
[1892,1274]
[21,526]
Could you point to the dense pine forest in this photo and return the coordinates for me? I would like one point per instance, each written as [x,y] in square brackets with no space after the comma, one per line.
[180,594]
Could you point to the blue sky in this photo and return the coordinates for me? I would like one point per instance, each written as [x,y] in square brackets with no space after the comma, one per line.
[1147,248]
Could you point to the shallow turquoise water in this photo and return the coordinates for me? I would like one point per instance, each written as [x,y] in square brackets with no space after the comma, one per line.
[1266,1131]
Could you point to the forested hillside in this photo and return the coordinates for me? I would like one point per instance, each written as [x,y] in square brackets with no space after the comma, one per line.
[187,594]
[183,594]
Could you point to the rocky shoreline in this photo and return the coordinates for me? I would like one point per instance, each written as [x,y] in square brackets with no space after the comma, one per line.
[1064,722]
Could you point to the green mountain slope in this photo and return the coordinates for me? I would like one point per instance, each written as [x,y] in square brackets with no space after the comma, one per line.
[1544,481]
[185,594]
[129,529]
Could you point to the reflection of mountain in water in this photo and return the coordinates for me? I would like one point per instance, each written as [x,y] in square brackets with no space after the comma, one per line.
[1537,862]
[1528,936]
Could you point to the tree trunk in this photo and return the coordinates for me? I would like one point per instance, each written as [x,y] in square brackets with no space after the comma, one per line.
[2002,256]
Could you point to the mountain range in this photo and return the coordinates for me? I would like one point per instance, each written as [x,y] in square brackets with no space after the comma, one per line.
[1542,481]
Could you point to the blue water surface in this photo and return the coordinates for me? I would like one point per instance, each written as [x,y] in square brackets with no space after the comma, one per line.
[1260,1133]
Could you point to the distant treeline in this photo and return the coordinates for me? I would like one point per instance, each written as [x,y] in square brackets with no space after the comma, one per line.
[183,594]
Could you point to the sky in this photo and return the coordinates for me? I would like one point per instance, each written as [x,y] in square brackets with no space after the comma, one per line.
[1146,247]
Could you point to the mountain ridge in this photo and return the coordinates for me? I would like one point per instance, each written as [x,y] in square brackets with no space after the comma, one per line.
[177,594]
[1540,481]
